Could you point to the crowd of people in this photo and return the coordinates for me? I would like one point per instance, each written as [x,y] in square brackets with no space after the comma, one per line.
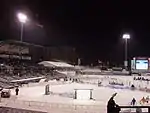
[15,69]
[20,67]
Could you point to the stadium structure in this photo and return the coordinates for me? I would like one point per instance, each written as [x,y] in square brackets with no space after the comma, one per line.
[22,62]
[36,53]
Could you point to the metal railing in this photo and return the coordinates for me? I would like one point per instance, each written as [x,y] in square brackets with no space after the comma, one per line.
[47,107]
[67,108]
[126,107]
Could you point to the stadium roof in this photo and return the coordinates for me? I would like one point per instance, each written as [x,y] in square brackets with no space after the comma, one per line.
[55,64]
[12,46]
[19,43]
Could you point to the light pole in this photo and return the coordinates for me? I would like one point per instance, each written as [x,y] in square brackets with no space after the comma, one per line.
[126,37]
[23,19]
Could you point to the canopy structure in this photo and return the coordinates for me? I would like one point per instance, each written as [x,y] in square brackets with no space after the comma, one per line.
[13,47]
[55,64]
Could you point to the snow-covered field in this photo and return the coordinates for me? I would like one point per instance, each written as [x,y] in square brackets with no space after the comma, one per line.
[63,92]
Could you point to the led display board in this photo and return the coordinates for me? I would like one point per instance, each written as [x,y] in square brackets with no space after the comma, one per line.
[142,64]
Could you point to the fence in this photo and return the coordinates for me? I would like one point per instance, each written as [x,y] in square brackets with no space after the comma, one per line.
[65,108]
[48,107]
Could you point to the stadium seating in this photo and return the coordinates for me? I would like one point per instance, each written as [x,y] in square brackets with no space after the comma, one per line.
[18,69]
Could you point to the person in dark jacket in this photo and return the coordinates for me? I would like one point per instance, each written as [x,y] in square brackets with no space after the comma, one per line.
[112,107]
[17,91]
[133,101]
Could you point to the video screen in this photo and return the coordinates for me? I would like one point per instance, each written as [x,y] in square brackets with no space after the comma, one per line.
[142,64]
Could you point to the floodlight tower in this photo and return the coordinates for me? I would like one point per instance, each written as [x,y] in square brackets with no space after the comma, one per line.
[126,37]
[22,19]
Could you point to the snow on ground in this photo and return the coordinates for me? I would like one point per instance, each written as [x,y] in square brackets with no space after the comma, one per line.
[63,92]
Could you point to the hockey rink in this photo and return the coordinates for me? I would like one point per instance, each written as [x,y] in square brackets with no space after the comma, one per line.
[62,92]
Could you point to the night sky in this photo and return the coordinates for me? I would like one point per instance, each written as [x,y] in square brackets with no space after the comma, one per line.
[93,27]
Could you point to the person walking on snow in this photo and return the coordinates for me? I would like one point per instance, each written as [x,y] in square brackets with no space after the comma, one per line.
[147,99]
[142,101]
[17,91]
[133,101]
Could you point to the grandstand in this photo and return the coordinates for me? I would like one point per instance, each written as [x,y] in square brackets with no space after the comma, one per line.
[12,49]
[20,50]
[18,63]
[16,71]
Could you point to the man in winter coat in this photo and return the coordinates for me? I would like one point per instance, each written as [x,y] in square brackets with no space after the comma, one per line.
[133,101]
[112,107]
[17,90]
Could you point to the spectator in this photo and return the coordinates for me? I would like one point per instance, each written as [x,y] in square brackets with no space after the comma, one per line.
[17,91]
[133,101]
[147,99]
[112,107]
[142,101]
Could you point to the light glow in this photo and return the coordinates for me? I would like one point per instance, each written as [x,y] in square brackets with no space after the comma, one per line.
[126,36]
[22,17]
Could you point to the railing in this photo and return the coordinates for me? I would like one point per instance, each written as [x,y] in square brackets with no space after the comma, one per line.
[59,107]
[122,107]
[66,108]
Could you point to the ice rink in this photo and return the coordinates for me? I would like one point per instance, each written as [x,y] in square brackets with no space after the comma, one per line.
[62,92]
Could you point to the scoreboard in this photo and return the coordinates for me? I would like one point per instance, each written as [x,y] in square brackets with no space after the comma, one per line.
[140,63]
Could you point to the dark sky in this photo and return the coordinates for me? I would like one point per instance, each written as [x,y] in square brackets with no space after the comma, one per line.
[93,27]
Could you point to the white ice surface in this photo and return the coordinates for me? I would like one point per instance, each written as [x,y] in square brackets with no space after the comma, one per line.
[62,92]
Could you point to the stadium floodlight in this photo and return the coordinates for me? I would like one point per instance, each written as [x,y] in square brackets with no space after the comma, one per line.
[126,37]
[22,17]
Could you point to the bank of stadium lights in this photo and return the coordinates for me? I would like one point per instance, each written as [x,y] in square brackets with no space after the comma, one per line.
[126,37]
[22,17]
